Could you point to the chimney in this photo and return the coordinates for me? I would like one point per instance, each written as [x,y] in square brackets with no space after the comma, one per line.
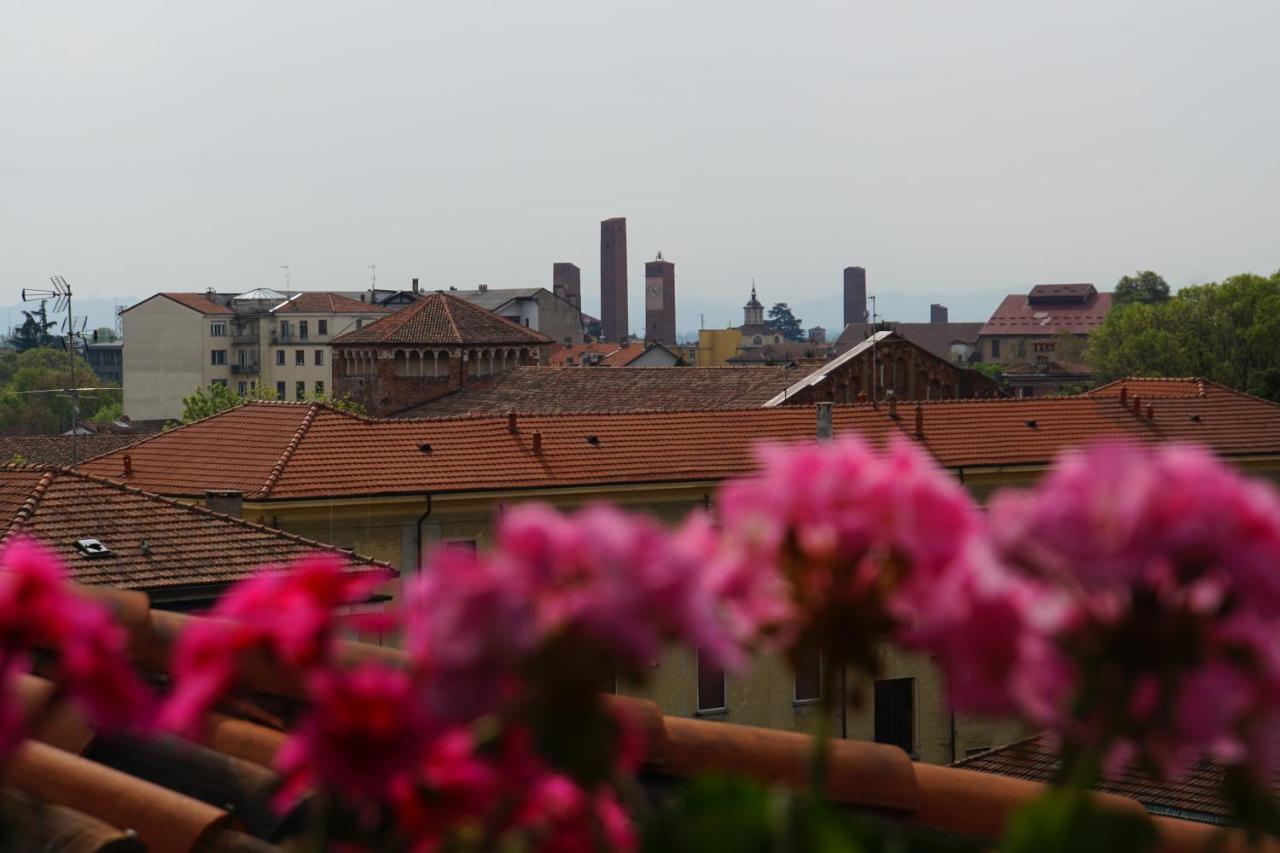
[1137,404]
[511,422]
[824,421]
[128,465]
[415,286]
[919,421]
[484,288]
[1151,412]
[893,404]
[226,502]
[937,313]
[537,441]
[1124,395]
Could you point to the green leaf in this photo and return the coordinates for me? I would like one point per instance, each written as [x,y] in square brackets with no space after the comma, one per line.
[1066,820]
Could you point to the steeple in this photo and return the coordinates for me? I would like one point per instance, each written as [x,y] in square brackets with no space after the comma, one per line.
[753,311]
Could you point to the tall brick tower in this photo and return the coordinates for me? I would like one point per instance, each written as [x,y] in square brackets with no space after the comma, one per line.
[566,282]
[613,279]
[660,301]
[855,295]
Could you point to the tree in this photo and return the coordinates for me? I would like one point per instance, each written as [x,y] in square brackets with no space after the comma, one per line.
[1145,286]
[782,321]
[105,335]
[32,399]
[34,331]
[211,399]
[1227,332]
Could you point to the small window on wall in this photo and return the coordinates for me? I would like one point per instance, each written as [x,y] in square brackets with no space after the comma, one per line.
[218,330]
[242,388]
[218,356]
[280,390]
[322,327]
[808,666]
[299,390]
[302,329]
[712,695]
[895,713]
[319,388]
[319,358]
[995,347]
[300,357]
[280,357]
[221,382]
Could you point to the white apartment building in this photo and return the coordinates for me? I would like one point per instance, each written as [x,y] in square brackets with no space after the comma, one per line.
[177,342]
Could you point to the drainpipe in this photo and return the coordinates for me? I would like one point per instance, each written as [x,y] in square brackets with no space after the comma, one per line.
[421,518]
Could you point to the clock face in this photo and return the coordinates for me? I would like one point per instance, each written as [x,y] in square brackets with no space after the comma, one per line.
[653,296]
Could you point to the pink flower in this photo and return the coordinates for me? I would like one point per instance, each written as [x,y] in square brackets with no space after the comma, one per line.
[469,623]
[39,610]
[362,732]
[617,580]
[286,612]
[861,536]
[1167,561]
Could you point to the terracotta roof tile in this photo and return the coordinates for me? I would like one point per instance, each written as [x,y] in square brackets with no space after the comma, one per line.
[198,302]
[186,546]
[1197,796]
[1018,316]
[1148,387]
[547,390]
[342,454]
[56,449]
[323,302]
[442,319]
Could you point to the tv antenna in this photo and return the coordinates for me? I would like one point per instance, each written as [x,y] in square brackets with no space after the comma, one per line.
[875,369]
[60,292]
[287,280]
[373,276]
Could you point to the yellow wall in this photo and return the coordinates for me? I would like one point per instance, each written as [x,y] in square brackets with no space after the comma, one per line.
[717,346]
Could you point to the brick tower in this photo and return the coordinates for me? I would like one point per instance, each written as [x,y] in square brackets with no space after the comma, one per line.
[855,295]
[566,282]
[613,279]
[660,301]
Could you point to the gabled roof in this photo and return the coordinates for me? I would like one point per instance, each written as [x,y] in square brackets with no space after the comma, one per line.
[1018,315]
[608,354]
[1197,796]
[441,318]
[157,545]
[549,390]
[195,301]
[819,376]
[1042,293]
[284,451]
[323,302]
[495,298]
[1152,386]
[56,449]
[937,338]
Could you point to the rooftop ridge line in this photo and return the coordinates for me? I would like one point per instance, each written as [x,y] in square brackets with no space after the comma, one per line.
[31,504]
[277,471]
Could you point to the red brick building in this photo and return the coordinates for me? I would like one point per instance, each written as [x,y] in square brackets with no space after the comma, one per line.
[660,301]
[427,349]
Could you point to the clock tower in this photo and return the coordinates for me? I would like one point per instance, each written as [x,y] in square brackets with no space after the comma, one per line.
[660,301]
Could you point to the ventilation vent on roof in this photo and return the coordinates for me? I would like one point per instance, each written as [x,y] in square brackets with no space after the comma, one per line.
[1195,418]
[593,440]
[92,548]
[1031,423]
[425,447]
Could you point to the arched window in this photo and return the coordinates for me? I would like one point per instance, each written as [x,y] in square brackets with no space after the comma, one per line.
[757,340]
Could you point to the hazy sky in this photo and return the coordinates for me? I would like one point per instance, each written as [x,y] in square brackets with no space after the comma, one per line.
[944,146]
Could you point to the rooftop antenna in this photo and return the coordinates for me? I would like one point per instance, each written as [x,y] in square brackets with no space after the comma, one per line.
[61,294]
[373,276]
[288,281]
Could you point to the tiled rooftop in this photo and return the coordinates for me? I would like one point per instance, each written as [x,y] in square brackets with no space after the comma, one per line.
[1155,387]
[608,354]
[292,450]
[56,449]
[548,390]
[937,338]
[440,318]
[157,545]
[197,302]
[317,302]
[1018,316]
[1197,796]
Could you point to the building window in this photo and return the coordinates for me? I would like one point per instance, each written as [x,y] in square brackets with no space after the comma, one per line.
[242,387]
[756,340]
[302,330]
[895,713]
[322,327]
[299,390]
[279,390]
[218,356]
[319,388]
[808,664]
[284,330]
[711,686]
[995,347]
[359,322]
[1044,346]
[300,357]
[319,358]
[280,357]
[218,330]
[221,382]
